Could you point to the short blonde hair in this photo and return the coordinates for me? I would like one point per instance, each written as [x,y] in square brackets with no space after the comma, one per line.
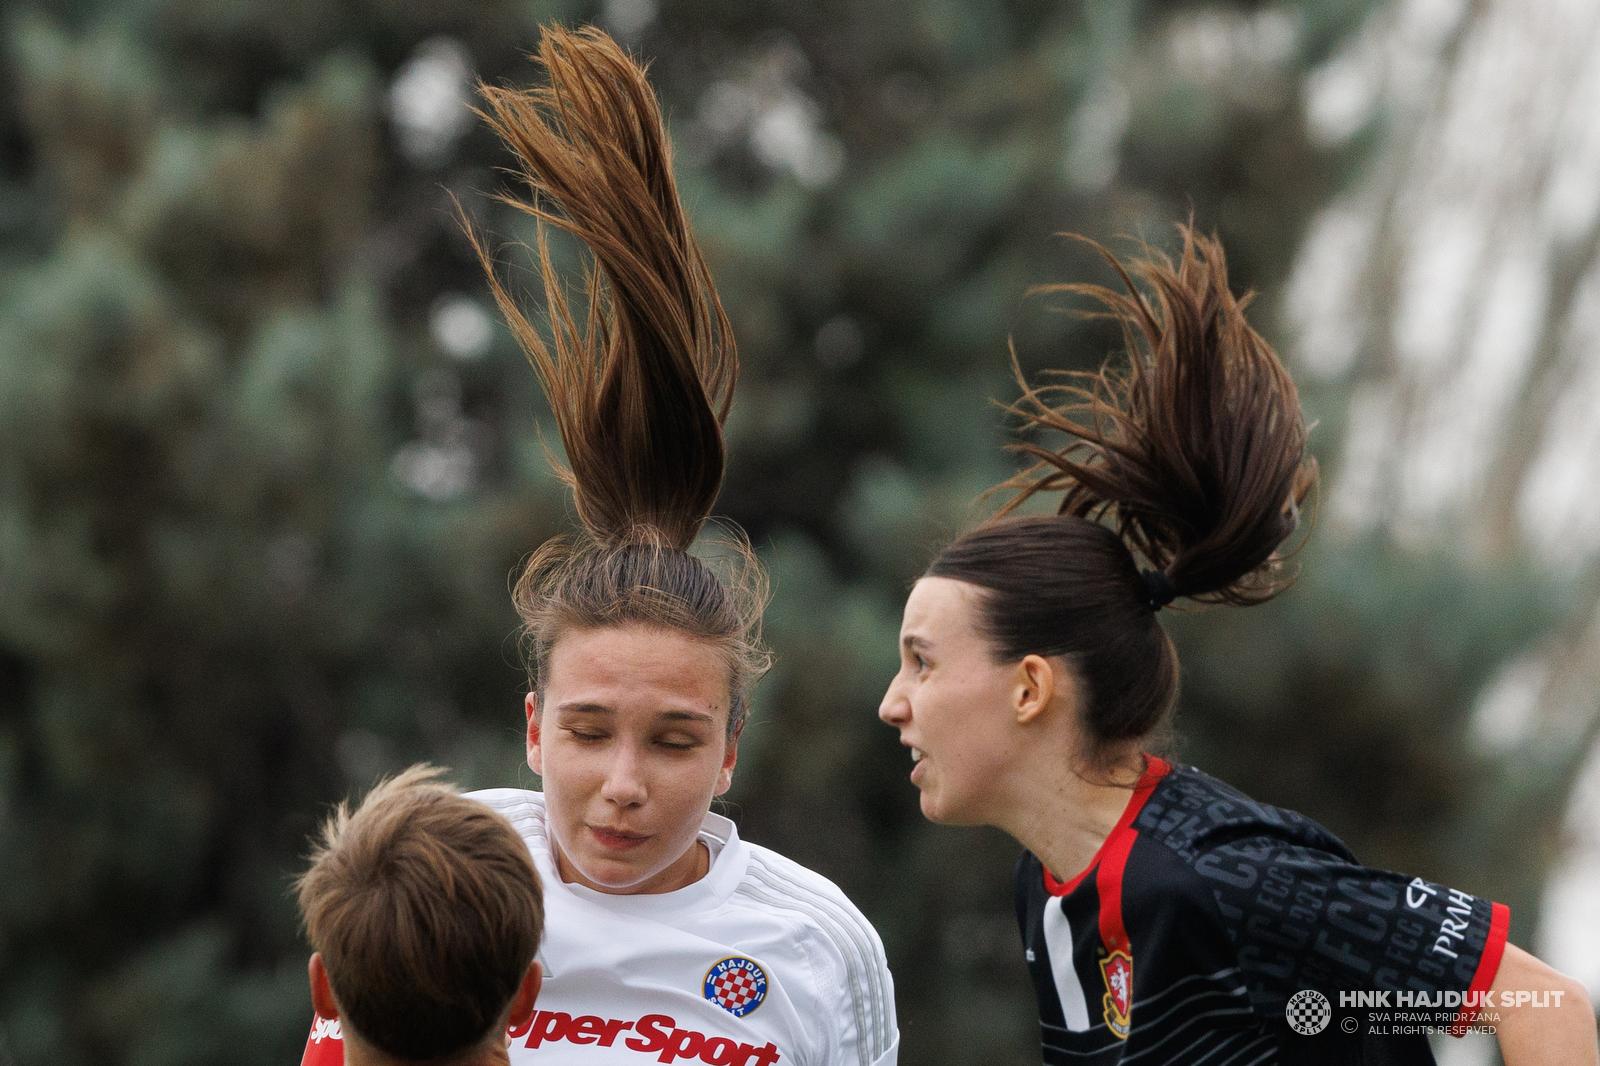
[427,911]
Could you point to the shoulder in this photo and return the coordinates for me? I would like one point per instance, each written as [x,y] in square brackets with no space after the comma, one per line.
[1192,814]
[1207,858]
[782,887]
[779,884]
[522,807]
[832,931]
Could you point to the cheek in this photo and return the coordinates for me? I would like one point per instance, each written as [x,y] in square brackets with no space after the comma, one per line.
[569,767]
[966,725]
[690,785]
[946,701]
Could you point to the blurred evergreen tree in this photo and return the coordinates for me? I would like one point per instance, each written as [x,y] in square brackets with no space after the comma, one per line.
[265,465]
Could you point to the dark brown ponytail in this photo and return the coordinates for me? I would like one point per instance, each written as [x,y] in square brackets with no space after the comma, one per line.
[641,390]
[1191,461]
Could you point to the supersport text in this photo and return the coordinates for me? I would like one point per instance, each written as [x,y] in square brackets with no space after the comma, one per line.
[656,1034]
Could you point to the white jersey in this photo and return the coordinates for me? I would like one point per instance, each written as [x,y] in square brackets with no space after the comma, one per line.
[761,962]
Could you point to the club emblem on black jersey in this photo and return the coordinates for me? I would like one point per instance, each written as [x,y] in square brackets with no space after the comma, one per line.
[737,985]
[1117,969]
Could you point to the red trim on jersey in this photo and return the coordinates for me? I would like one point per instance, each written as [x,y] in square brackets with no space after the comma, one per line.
[1488,965]
[324,1049]
[1108,882]
[1155,769]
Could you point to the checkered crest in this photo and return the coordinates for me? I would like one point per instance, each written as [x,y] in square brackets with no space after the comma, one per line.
[1308,1012]
[737,985]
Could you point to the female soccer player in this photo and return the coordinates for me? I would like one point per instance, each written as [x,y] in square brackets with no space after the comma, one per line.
[1167,918]
[667,938]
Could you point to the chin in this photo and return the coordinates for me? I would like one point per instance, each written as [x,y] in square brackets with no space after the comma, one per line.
[942,812]
[934,811]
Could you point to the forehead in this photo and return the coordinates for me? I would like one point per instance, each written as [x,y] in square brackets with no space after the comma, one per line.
[636,666]
[941,607]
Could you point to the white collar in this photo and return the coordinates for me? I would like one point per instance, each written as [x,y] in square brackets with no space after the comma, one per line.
[730,858]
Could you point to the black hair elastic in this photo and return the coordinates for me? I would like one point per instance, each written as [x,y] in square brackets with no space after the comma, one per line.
[1158,589]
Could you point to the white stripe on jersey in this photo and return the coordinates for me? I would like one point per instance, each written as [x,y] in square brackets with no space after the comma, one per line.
[866,971]
[1058,942]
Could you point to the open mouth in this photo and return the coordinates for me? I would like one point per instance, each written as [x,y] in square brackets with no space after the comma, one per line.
[919,762]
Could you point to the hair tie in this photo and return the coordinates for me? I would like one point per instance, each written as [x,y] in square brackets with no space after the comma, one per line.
[1158,589]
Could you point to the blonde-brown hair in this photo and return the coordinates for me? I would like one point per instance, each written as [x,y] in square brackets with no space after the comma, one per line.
[427,911]
[640,391]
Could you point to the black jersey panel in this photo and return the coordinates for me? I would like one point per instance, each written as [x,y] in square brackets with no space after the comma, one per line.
[1178,1015]
[1299,908]
[1230,907]
[1306,919]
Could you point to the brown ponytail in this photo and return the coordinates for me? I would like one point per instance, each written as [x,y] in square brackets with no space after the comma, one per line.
[640,392]
[1191,461]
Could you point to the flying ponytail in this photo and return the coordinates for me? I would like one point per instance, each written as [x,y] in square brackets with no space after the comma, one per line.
[640,391]
[1182,476]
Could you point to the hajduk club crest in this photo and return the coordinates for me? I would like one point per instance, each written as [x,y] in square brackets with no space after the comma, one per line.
[737,985]
[1117,969]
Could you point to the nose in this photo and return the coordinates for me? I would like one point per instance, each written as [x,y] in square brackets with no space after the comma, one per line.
[624,785]
[895,709]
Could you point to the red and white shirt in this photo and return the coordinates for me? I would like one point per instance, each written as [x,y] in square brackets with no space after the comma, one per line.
[762,962]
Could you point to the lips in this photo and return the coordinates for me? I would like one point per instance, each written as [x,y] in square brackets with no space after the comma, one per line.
[919,759]
[615,839]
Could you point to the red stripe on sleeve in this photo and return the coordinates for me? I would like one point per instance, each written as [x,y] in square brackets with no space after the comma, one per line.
[1488,965]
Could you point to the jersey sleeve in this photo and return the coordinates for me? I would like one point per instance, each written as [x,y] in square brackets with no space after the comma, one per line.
[863,991]
[325,1045]
[1301,918]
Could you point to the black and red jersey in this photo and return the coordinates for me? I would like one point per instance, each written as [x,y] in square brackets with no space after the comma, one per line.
[1205,915]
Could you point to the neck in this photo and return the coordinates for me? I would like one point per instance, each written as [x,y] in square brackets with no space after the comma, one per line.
[1065,819]
[492,1052]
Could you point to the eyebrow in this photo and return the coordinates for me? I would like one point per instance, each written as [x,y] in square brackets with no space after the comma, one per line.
[686,716]
[584,708]
[912,641]
[602,709]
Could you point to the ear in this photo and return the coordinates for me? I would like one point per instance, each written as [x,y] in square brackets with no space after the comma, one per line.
[729,759]
[322,1000]
[527,993]
[1036,685]
[535,752]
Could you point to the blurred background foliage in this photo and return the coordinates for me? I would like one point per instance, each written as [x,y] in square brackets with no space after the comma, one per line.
[267,461]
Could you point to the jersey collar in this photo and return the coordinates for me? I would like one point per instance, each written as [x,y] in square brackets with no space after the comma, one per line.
[730,858]
[1155,769]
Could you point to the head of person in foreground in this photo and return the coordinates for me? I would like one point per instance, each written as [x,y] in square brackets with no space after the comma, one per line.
[424,912]
[1032,646]
[642,654]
